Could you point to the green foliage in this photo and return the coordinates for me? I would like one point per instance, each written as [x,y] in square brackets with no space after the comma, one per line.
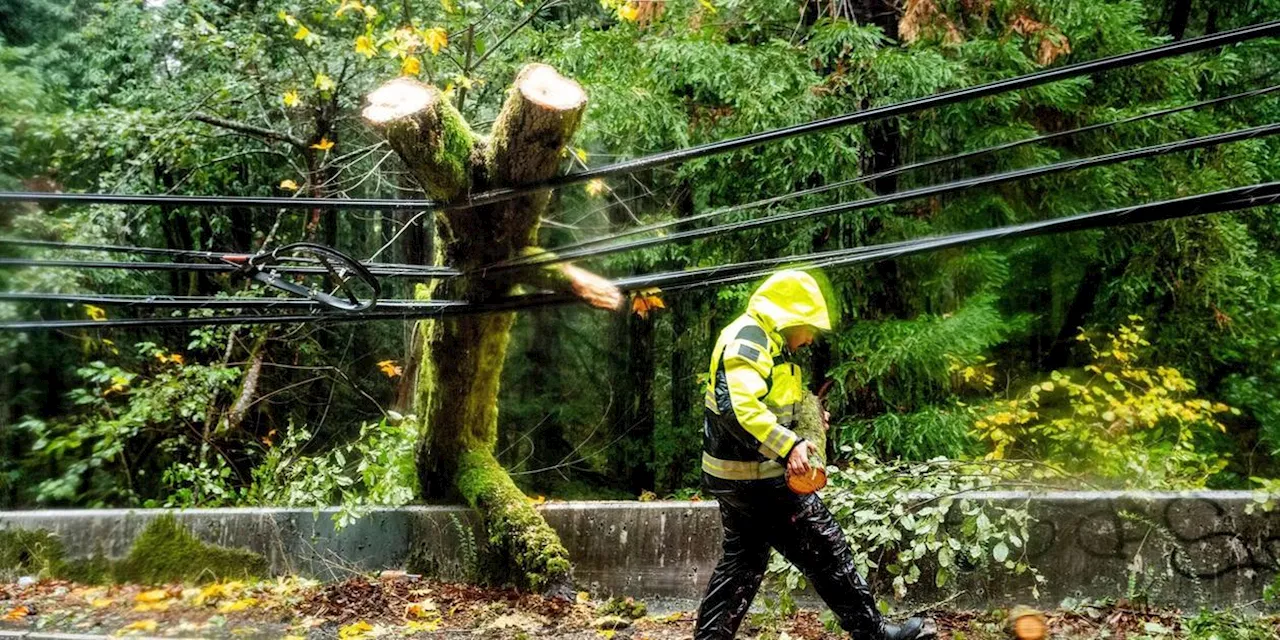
[374,469]
[127,423]
[103,97]
[932,431]
[1115,419]
[908,517]
[1216,625]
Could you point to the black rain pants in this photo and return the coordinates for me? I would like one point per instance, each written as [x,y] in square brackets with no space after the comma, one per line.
[759,514]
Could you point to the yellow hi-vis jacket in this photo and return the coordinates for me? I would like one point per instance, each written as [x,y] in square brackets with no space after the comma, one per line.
[754,389]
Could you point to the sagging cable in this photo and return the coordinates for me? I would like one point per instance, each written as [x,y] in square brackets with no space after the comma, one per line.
[1218,202]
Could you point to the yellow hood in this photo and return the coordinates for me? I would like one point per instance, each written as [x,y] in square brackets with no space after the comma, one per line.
[787,299]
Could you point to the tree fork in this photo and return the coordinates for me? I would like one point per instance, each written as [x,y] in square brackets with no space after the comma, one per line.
[461,366]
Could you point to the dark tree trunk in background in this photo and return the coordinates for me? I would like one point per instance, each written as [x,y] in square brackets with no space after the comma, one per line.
[690,351]
[1179,16]
[631,410]
[1082,305]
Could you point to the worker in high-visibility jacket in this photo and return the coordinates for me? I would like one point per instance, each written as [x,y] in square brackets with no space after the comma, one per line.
[749,447]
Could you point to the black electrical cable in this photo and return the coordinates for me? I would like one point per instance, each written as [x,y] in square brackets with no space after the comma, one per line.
[115,248]
[967,155]
[421,271]
[1222,201]
[1191,45]
[182,302]
[384,267]
[911,194]
[390,270]
[1219,202]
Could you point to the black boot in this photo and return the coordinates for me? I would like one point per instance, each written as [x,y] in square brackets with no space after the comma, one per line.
[912,629]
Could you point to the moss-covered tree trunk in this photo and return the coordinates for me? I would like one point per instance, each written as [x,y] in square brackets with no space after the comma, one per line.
[461,366]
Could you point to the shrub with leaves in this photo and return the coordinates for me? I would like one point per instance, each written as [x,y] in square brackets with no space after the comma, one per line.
[906,519]
[1135,425]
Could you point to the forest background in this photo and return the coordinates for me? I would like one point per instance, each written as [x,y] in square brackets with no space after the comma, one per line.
[1143,357]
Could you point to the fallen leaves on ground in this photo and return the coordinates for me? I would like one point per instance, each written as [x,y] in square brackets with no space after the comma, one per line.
[404,605]
[145,626]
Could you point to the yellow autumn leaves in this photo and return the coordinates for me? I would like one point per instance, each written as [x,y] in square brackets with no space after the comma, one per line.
[1108,418]
[405,44]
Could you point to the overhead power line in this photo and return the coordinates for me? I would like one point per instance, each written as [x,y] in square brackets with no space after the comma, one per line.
[967,155]
[1222,201]
[902,196]
[1266,29]
[389,270]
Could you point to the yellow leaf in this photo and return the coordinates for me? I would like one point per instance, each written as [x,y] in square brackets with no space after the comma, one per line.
[370,12]
[411,66]
[355,630]
[145,626]
[606,633]
[291,98]
[423,609]
[448,6]
[101,603]
[349,5]
[324,82]
[365,47]
[595,187]
[629,12]
[646,301]
[17,613]
[302,33]
[154,595]
[584,597]
[97,314]
[289,184]
[706,4]
[143,607]
[390,368]
[288,19]
[238,605]
[580,154]
[436,38]
[325,144]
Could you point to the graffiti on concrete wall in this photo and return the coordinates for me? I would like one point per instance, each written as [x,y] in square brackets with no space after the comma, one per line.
[1206,539]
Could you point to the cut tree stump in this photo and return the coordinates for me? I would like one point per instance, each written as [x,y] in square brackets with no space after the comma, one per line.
[461,366]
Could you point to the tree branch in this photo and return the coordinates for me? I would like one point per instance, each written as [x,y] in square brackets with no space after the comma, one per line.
[249,129]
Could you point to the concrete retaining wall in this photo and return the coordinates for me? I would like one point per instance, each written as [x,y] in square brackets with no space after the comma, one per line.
[1184,549]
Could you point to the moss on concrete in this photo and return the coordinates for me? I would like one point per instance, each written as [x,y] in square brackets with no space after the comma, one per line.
[25,552]
[167,552]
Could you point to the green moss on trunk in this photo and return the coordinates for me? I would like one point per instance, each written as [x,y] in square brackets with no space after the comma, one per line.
[515,529]
[809,423]
[461,366]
